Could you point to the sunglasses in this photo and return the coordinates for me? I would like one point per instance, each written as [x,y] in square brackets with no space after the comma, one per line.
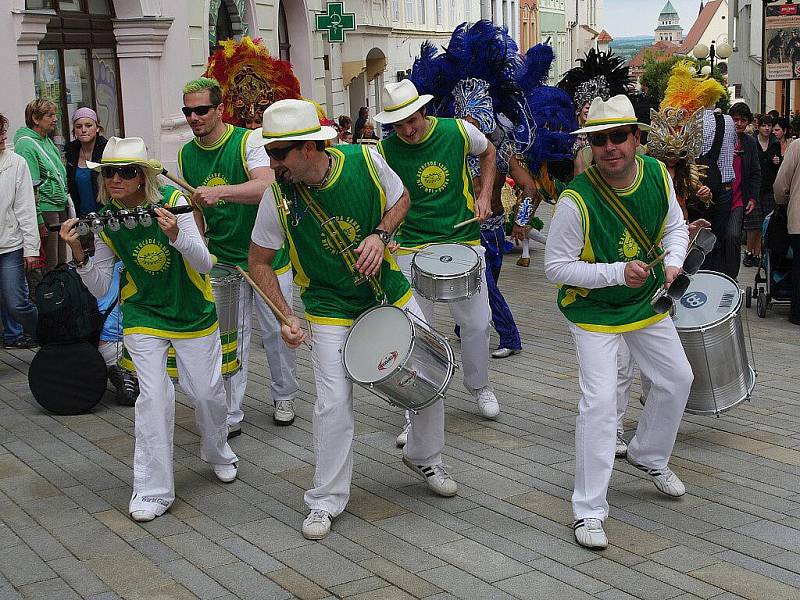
[126,172]
[200,111]
[282,153]
[617,137]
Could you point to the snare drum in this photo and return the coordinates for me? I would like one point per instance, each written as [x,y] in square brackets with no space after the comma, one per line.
[398,357]
[225,283]
[446,272]
[709,324]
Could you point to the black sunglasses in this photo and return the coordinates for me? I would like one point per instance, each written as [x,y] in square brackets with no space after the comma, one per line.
[200,111]
[126,171]
[617,137]
[282,153]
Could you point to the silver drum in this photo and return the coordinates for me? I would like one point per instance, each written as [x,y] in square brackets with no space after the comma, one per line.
[225,283]
[446,272]
[709,324]
[398,357]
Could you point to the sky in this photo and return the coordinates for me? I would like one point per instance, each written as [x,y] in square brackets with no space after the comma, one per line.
[628,18]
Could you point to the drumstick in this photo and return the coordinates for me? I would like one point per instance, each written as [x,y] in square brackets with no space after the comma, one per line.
[658,260]
[467,222]
[178,180]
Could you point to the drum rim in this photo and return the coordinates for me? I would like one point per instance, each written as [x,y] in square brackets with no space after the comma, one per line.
[736,312]
[746,397]
[232,275]
[419,269]
[400,363]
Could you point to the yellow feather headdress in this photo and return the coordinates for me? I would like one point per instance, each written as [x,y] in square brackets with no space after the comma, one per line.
[691,93]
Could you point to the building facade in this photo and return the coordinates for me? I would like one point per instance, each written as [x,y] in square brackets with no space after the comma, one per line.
[583,19]
[669,25]
[528,24]
[552,30]
[505,13]
[129,59]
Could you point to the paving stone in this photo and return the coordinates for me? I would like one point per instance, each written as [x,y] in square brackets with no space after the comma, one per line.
[400,552]
[253,556]
[386,593]
[155,550]
[418,530]
[478,560]
[788,577]
[90,540]
[20,565]
[321,565]
[462,584]
[300,586]
[541,585]
[747,584]
[683,559]
[199,550]
[371,507]
[773,533]
[628,580]
[40,541]
[569,576]
[364,586]
[399,577]
[197,582]
[129,573]
[51,589]
[78,576]
[271,535]
[245,582]
[121,524]
[678,579]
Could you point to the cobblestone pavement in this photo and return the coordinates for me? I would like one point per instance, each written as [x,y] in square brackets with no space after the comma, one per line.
[65,484]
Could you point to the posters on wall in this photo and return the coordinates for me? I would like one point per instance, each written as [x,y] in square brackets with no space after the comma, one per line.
[782,41]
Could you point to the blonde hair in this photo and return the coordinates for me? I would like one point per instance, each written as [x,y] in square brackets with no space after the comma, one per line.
[152,188]
[36,109]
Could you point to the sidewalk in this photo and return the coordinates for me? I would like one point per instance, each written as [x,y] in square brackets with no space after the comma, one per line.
[65,484]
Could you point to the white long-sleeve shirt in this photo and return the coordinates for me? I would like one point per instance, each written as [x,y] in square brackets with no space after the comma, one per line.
[562,263]
[18,228]
[98,272]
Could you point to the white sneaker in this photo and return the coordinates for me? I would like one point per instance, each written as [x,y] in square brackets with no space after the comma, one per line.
[505,352]
[226,473]
[664,479]
[436,477]
[487,403]
[402,438]
[589,533]
[284,413]
[143,516]
[622,446]
[317,524]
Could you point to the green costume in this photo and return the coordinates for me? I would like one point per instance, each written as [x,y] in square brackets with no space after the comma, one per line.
[606,240]
[228,224]
[354,198]
[162,294]
[435,172]
[44,162]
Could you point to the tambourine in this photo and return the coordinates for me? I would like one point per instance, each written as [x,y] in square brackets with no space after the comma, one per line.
[129,218]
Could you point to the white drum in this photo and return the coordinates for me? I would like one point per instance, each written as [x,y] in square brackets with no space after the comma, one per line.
[398,357]
[446,272]
[709,324]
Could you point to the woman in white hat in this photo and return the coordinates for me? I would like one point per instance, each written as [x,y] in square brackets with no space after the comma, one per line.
[609,223]
[167,301]
[322,196]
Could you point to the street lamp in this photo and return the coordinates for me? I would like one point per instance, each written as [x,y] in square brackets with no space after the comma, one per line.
[702,52]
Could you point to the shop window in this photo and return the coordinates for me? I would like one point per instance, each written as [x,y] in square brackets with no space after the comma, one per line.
[225,21]
[77,64]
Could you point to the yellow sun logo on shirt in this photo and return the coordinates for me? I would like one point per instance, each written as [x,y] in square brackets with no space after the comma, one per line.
[433,176]
[349,231]
[215,179]
[151,256]
[628,248]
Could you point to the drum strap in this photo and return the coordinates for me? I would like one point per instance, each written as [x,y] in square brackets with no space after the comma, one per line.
[614,202]
[340,241]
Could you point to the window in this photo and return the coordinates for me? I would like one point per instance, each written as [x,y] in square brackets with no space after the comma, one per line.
[453,15]
[468,11]
[410,11]
[77,64]
[439,11]
[284,47]
[422,11]
[395,10]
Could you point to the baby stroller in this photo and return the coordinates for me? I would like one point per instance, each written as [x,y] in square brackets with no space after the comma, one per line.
[773,281]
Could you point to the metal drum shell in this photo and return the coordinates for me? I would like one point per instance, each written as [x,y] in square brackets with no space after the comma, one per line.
[447,288]
[226,288]
[723,377]
[420,377]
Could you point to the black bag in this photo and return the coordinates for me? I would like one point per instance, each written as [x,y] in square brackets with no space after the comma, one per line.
[68,311]
[68,379]
[713,179]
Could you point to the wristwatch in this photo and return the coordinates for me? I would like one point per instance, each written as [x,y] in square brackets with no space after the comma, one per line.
[384,235]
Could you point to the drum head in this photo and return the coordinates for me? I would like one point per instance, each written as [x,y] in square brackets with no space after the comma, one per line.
[444,260]
[378,343]
[710,298]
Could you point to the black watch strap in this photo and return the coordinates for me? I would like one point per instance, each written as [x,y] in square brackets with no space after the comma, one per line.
[383,234]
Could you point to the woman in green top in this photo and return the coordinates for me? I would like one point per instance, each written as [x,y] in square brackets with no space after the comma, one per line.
[34,144]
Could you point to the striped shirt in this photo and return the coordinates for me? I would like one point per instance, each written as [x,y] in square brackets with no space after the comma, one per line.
[725,161]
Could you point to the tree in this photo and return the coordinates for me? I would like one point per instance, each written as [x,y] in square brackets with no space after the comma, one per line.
[657,69]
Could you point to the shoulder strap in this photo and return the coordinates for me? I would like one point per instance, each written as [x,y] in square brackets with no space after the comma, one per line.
[719,135]
[610,197]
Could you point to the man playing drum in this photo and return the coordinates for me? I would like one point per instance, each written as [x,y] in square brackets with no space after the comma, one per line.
[336,207]
[230,179]
[430,156]
[608,226]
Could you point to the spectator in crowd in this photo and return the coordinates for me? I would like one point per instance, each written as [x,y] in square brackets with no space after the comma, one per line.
[746,189]
[787,191]
[363,115]
[769,160]
[34,144]
[88,145]
[368,134]
[345,123]
[19,243]
[780,129]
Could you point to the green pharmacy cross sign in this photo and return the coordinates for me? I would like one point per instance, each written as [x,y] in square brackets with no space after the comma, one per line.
[336,22]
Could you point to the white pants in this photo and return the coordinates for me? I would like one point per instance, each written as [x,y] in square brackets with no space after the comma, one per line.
[280,358]
[473,316]
[110,351]
[334,423]
[199,362]
[661,358]
[625,374]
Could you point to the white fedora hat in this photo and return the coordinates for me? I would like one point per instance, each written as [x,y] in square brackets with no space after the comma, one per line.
[400,100]
[617,111]
[290,121]
[126,151]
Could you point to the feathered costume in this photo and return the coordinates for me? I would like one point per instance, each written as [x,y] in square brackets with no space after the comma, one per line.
[677,127]
[250,78]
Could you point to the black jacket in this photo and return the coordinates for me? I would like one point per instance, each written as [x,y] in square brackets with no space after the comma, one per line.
[751,169]
[72,152]
[769,169]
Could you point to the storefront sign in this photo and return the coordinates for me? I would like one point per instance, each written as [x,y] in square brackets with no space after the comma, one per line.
[782,41]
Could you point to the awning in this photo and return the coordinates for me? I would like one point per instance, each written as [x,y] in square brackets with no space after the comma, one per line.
[351,70]
[375,66]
